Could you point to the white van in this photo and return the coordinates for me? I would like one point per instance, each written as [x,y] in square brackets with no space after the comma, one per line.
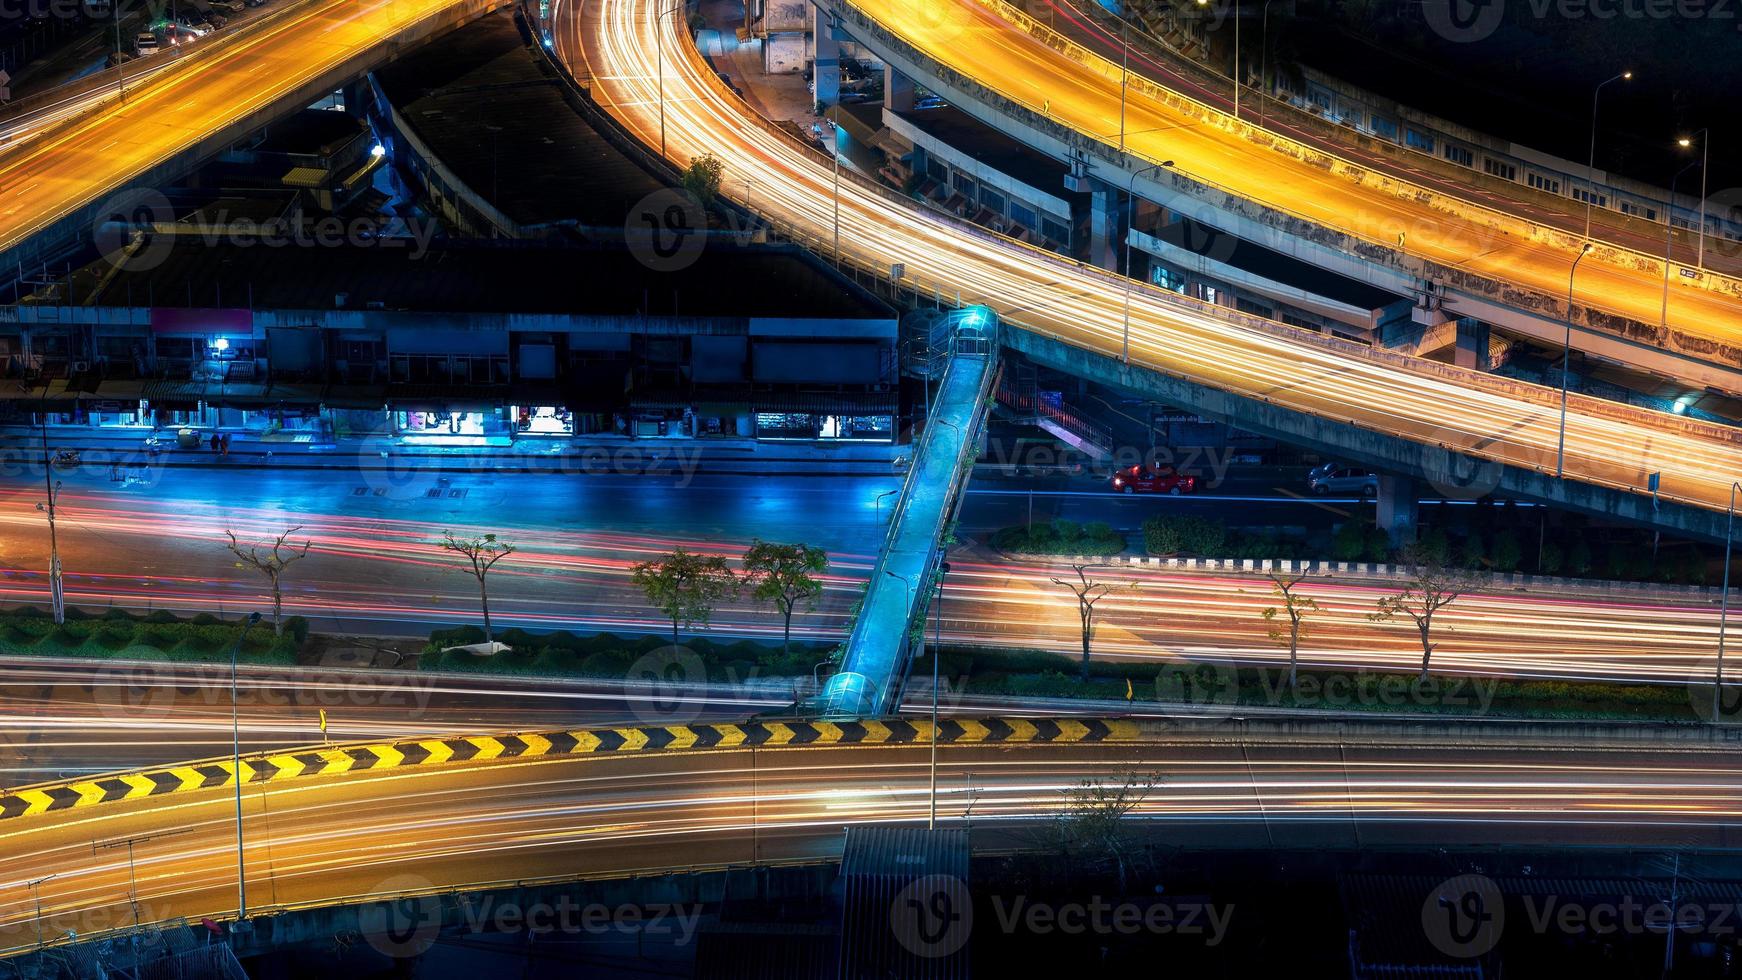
[145,44]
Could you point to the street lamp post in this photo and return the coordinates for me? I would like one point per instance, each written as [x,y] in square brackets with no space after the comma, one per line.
[659,52]
[1264,59]
[1705,138]
[1724,601]
[1124,76]
[1566,361]
[1669,238]
[937,651]
[1591,166]
[236,762]
[36,891]
[1130,216]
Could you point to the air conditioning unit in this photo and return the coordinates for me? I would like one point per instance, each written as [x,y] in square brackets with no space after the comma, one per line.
[80,367]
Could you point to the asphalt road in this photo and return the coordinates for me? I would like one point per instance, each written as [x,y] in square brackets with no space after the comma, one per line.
[469,824]
[373,567]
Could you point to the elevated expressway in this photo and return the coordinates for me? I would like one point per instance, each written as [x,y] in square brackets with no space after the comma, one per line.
[1014,73]
[58,186]
[330,825]
[1407,412]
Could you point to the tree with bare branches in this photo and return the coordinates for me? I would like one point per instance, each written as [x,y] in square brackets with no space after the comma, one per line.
[481,552]
[1092,822]
[1287,618]
[1088,592]
[271,563]
[1433,585]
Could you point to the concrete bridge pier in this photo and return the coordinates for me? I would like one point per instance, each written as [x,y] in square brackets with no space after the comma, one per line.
[1106,226]
[826,54]
[1472,344]
[897,91]
[1398,508]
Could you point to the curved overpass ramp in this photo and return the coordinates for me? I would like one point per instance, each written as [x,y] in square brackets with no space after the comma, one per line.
[626,801]
[615,45]
[1020,76]
[57,187]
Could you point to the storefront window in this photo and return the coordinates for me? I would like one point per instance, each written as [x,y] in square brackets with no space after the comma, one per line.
[786,425]
[543,420]
[879,428]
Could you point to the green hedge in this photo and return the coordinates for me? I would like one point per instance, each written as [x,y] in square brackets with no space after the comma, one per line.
[1039,674]
[607,655]
[1059,538]
[118,634]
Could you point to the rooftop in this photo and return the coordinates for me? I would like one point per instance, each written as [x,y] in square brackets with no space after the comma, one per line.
[726,280]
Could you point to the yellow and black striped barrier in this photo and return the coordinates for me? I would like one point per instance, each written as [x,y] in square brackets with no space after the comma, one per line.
[335,760]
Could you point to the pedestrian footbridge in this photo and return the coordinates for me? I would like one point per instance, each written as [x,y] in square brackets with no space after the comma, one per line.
[903,580]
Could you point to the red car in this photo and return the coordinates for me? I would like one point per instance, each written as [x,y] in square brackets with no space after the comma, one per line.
[1153,479]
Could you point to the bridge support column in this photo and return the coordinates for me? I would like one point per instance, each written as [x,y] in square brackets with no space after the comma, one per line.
[1472,349]
[1106,225]
[1397,511]
[826,52]
[897,90]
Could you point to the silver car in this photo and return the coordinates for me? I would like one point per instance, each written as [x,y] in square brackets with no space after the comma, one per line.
[1338,478]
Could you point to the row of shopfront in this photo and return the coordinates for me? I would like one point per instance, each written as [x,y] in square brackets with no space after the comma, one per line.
[811,418]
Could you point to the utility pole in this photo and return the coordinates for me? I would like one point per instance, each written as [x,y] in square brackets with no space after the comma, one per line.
[236,763]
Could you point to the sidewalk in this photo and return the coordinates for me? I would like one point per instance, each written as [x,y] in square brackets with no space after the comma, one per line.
[586,455]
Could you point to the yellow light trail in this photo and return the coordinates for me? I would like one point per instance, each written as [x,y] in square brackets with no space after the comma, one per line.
[982,40]
[614,44]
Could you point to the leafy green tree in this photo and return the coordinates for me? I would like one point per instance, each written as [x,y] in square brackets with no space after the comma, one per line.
[481,552]
[685,586]
[1287,618]
[702,177]
[1508,551]
[785,575]
[1350,541]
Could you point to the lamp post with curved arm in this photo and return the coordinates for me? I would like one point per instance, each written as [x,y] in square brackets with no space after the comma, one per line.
[1724,601]
[1591,167]
[1131,216]
[1560,455]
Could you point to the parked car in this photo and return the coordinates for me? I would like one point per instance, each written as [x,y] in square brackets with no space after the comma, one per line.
[1339,478]
[1153,479]
[145,44]
[229,6]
